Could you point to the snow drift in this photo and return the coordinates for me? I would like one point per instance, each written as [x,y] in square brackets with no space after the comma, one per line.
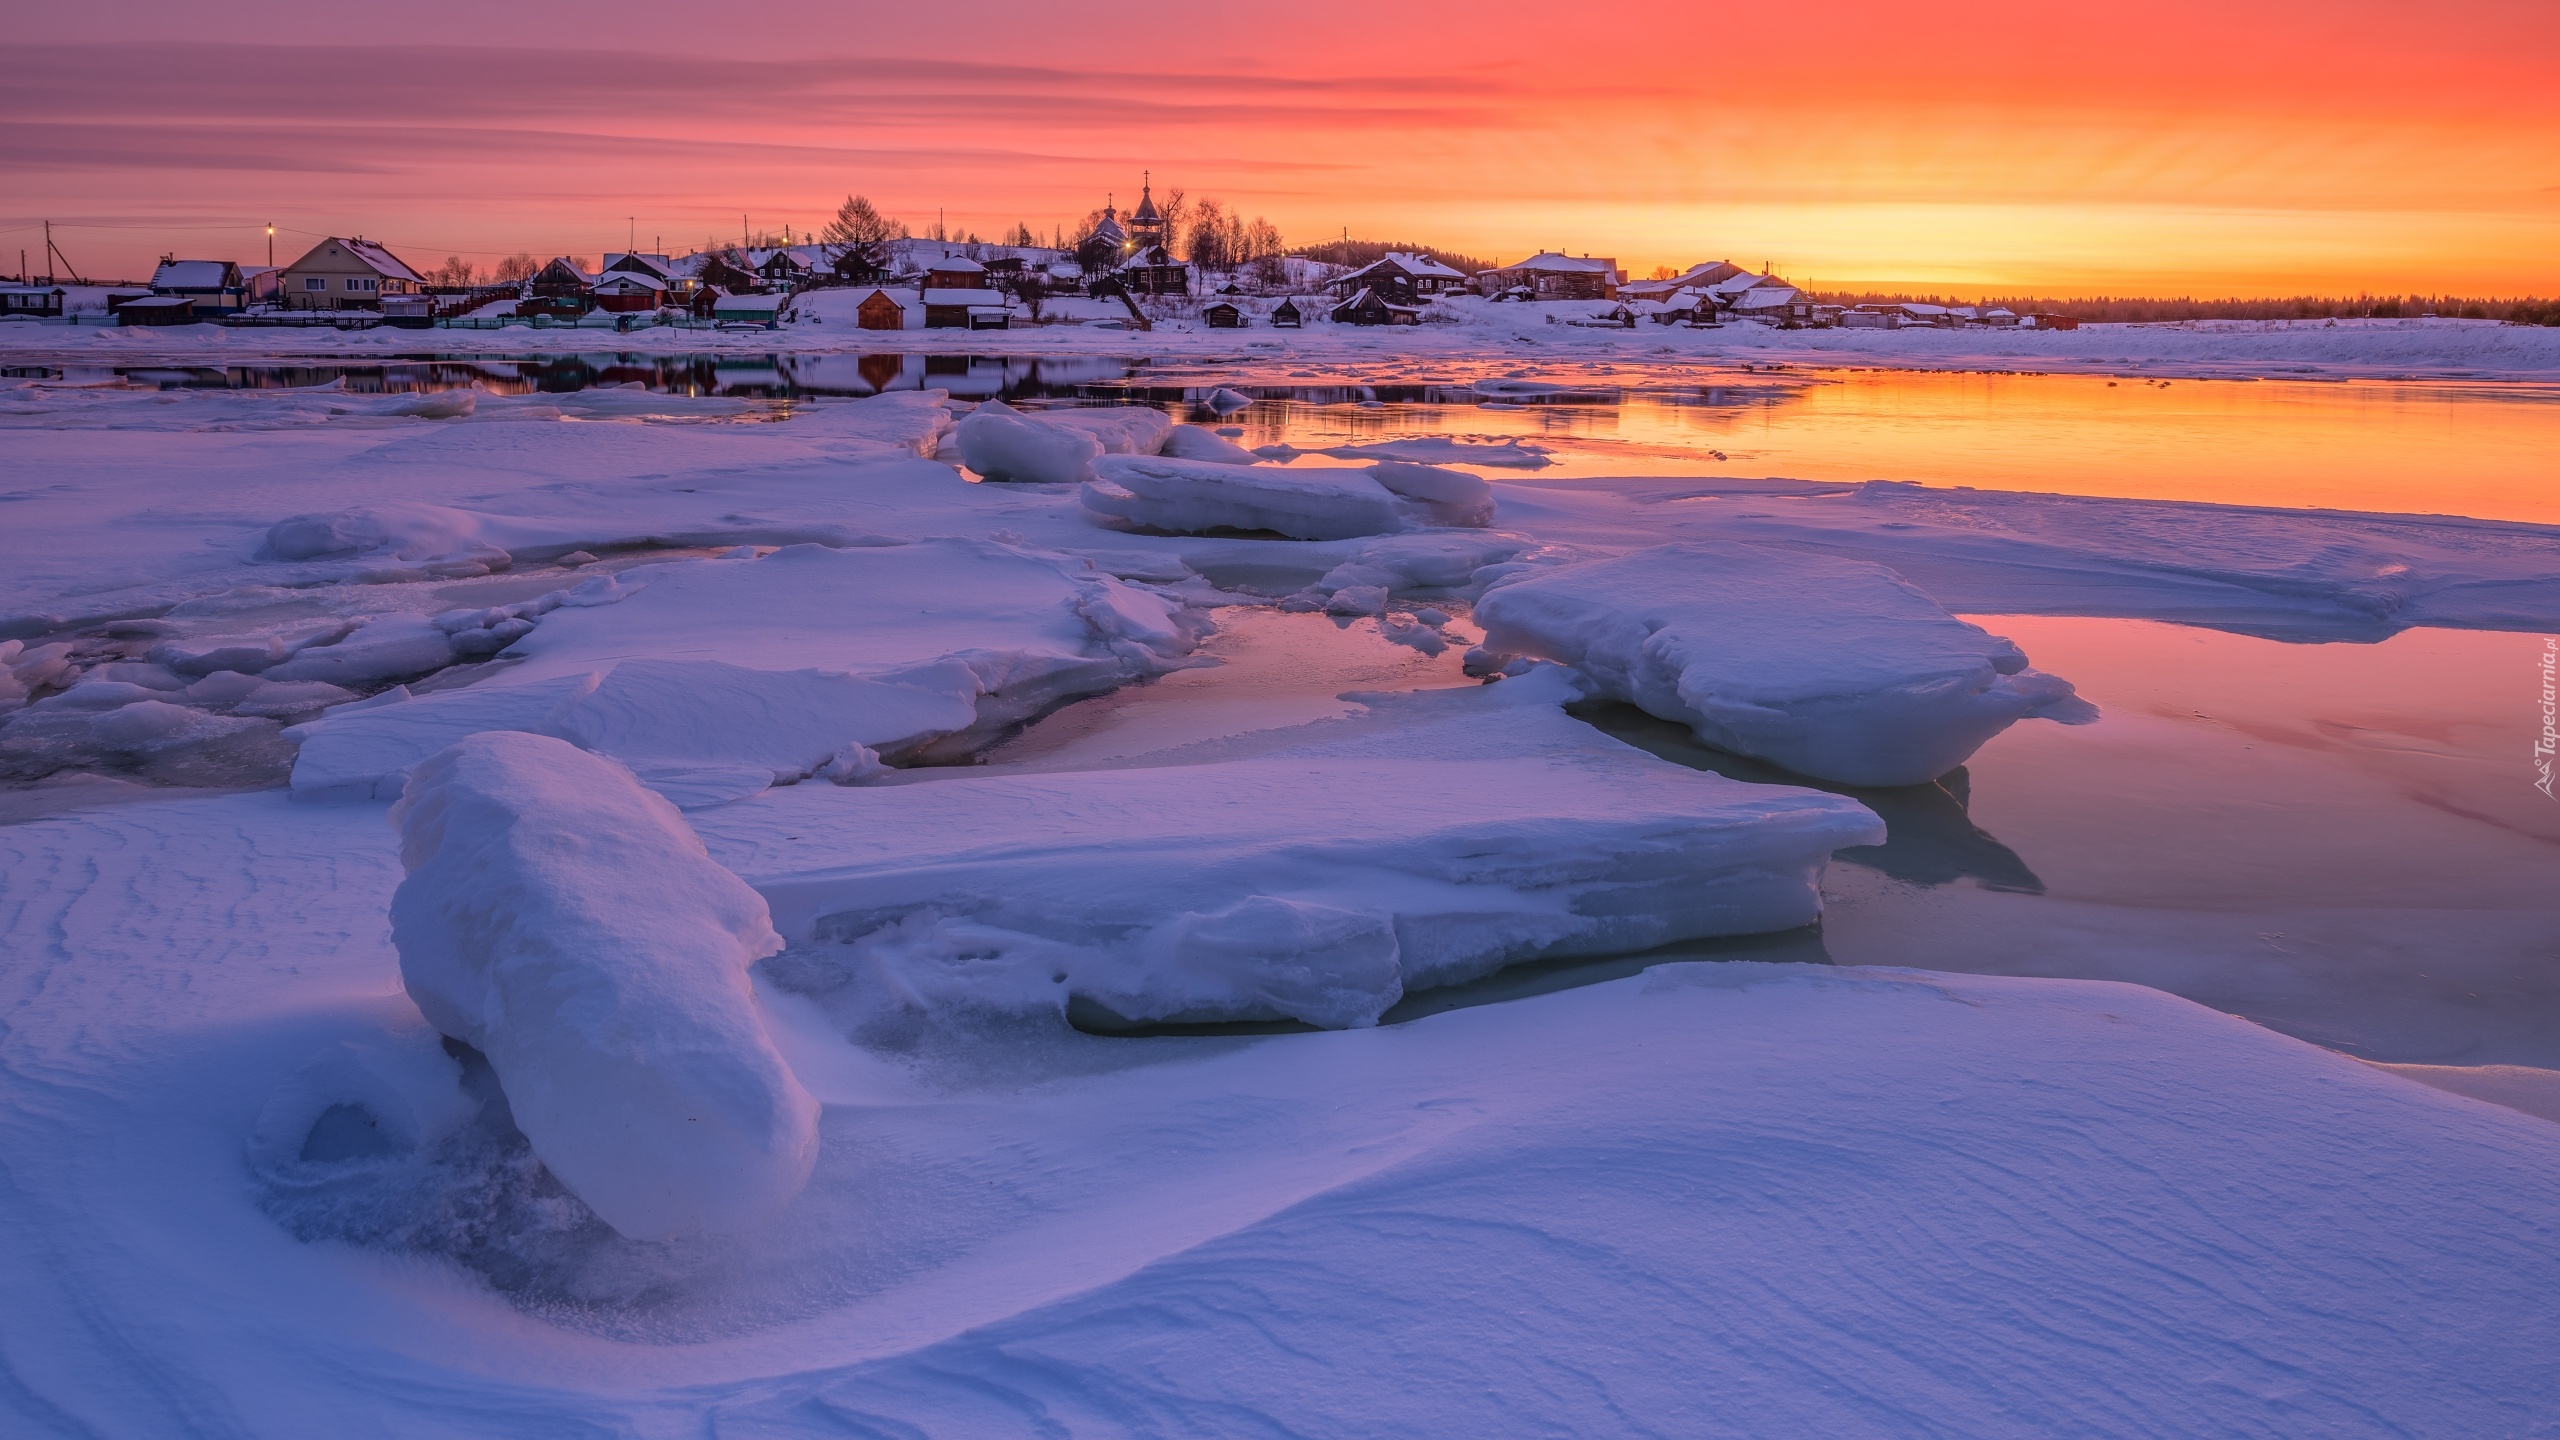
[564,921]
[1831,668]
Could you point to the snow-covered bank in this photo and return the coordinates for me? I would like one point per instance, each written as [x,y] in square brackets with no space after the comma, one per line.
[1772,1198]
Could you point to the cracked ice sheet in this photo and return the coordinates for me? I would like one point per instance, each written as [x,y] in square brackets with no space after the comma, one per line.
[1788,1200]
[714,678]
[116,523]
[2299,575]
[1313,873]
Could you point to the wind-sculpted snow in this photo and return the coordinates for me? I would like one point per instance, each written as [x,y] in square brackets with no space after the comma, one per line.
[562,920]
[1314,875]
[1831,668]
[1194,497]
[1771,1199]
[716,678]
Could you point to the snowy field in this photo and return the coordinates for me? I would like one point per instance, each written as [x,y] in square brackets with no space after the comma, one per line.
[628,914]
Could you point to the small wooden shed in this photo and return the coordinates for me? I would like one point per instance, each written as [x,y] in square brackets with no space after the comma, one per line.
[1223,316]
[1287,317]
[880,310]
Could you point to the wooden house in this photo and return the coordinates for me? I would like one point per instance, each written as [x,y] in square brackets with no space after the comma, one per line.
[560,290]
[1549,275]
[157,310]
[215,286]
[1223,316]
[1152,270]
[780,269]
[1402,279]
[717,272]
[1287,316]
[343,273]
[955,272]
[880,310]
[30,302]
[627,292]
[1370,308]
[976,308]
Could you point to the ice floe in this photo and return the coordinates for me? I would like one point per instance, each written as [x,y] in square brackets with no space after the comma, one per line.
[1303,503]
[715,678]
[1831,668]
[1311,874]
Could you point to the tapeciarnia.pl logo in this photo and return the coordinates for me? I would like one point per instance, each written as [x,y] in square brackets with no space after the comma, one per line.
[2549,739]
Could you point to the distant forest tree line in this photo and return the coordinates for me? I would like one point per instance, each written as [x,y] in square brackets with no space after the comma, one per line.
[2139,310]
[1370,252]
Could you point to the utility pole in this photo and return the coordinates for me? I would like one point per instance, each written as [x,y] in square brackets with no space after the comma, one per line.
[53,253]
[632,240]
[271,244]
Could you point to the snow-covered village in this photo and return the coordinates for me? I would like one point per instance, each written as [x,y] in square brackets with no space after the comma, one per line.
[1407,725]
[1179,264]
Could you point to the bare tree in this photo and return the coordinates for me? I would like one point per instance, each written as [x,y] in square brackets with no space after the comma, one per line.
[1031,287]
[454,271]
[519,266]
[1215,237]
[860,233]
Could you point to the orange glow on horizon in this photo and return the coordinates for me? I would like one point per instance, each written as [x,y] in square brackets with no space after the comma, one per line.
[2270,147]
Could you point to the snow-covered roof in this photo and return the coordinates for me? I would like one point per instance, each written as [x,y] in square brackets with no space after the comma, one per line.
[964,297]
[1553,261]
[384,263]
[1765,297]
[747,302]
[1424,265]
[956,264]
[630,280]
[193,275]
[1736,284]
[656,264]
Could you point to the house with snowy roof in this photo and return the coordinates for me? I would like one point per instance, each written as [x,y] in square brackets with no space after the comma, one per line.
[215,286]
[784,266]
[1402,278]
[1781,305]
[1368,307]
[1551,275]
[347,273]
[629,291]
[560,290]
[1696,277]
[31,302]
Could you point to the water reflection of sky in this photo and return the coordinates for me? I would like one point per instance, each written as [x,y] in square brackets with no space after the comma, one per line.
[2461,448]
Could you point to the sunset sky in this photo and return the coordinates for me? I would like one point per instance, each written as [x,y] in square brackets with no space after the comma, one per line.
[2238,147]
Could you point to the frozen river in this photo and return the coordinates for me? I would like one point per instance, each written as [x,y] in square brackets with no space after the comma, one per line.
[2443,447]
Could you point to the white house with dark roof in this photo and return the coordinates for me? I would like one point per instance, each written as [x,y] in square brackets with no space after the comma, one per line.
[343,273]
